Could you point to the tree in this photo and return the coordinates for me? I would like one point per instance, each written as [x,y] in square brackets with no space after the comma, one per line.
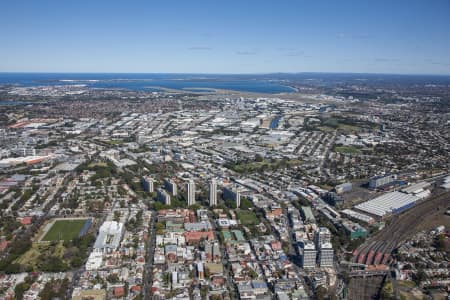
[159,228]
[420,276]
[20,289]
[252,274]
[246,203]
[207,273]
[117,215]
[112,278]
[440,242]
[321,293]
[76,262]
[258,158]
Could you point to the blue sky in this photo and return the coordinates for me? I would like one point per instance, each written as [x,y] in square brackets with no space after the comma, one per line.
[190,36]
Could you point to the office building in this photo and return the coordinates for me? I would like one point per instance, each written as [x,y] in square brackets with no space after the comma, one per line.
[326,255]
[308,254]
[321,236]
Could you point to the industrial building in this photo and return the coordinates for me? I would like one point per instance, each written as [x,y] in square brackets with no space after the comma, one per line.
[381,180]
[358,216]
[418,189]
[387,204]
[446,183]
[333,198]
[354,230]
[344,188]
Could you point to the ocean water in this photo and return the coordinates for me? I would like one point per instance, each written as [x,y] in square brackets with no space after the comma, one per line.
[149,82]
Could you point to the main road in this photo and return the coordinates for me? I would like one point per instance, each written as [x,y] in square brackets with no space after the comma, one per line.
[148,268]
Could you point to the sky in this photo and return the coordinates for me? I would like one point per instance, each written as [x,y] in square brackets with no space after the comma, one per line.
[246,36]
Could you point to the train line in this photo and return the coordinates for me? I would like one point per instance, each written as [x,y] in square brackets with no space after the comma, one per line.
[377,250]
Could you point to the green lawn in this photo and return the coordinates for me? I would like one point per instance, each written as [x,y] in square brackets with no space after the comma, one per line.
[247,218]
[346,149]
[64,230]
[407,283]
[260,166]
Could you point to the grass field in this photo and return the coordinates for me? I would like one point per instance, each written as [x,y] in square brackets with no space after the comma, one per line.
[31,257]
[248,218]
[407,283]
[64,230]
[260,166]
[97,164]
[346,149]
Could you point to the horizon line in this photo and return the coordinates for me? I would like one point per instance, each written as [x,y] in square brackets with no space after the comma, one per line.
[212,73]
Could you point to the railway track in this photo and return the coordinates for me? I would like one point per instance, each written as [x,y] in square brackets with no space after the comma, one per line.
[378,249]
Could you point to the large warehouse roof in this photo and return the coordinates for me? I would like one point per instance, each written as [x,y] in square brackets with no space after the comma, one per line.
[416,188]
[387,203]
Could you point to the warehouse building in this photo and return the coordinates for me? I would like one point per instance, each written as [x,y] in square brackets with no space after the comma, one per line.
[358,216]
[344,188]
[354,230]
[387,204]
[382,180]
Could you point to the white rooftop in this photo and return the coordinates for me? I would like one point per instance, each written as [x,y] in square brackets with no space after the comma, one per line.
[386,203]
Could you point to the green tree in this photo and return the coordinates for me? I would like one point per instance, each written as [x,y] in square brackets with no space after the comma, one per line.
[117,215]
[20,289]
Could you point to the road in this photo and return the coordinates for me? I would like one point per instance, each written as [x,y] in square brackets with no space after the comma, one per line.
[78,272]
[148,277]
[293,255]
[226,265]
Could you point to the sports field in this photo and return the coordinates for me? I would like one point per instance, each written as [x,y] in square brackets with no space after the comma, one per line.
[64,230]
